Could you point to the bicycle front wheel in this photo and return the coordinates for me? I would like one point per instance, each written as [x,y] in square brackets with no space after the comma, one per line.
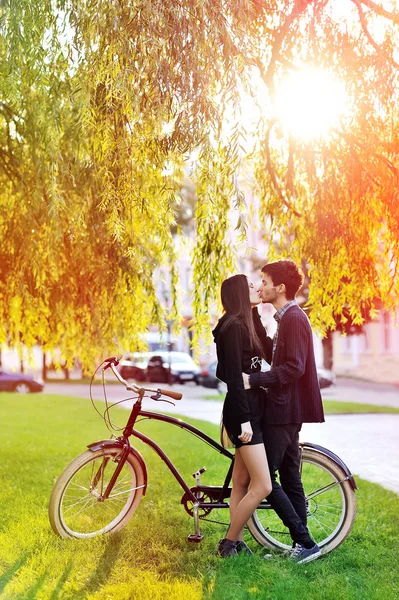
[77,508]
[331,504]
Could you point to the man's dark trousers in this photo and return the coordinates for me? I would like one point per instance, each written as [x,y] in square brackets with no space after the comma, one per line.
[288,499]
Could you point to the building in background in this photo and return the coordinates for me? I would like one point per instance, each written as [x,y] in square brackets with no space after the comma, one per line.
[372,355]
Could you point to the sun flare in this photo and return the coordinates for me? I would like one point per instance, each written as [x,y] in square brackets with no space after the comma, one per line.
[310,102]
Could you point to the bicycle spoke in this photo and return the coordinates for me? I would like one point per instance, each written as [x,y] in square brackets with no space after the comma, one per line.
[322,490]
[332,513]
[321,525]
[326,506]
[84,510]
[78,486]
[329,505]
[86,502]
[325,519]
[126,491]
[328,514]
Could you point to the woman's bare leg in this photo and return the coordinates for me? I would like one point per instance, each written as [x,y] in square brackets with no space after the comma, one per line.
[254,459]
[240,480]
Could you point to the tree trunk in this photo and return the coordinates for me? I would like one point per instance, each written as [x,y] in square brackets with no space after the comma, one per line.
[328,351]
[44,367]
[65,371]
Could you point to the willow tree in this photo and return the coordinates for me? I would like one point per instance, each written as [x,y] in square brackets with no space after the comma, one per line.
[69,279]
[337,195]
[102,106]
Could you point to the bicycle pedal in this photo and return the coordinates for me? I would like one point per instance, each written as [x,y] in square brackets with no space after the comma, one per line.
[195,538]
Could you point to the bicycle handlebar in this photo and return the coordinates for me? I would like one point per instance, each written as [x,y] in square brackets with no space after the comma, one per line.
[136,388]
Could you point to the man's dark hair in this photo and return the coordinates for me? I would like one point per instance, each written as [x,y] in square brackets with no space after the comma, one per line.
[287,272]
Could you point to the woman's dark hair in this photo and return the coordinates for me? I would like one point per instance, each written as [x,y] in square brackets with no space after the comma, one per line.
[235,300]
[287,272]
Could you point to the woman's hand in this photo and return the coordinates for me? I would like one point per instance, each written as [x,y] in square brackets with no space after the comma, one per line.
[245,379]
[246,432]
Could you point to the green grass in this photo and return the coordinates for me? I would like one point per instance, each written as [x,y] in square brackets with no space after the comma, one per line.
[151,559]
[81,381]
[333,407]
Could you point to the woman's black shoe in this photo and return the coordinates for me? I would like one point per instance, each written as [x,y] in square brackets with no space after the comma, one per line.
[227,548]
[242,547]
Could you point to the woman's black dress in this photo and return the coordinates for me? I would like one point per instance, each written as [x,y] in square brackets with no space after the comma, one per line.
[236,356]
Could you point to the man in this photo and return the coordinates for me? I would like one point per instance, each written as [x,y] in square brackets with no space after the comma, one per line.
[293,398]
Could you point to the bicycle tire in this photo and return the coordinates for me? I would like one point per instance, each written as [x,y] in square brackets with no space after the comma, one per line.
[74,488]
[329,520]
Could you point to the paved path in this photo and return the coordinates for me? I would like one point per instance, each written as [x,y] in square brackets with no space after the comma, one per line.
[367,443]
[351,390]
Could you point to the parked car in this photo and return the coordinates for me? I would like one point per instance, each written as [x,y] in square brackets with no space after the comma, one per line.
[19,382]
[208,378]
[134,366]
[182,367]
[326,378]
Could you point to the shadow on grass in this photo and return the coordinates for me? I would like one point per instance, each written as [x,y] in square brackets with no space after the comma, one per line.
[31,593]
[60,585]
[104,567]
[6,577]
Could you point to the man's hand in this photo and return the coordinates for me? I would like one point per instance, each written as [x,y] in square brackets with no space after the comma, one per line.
[245,379]
[246,432]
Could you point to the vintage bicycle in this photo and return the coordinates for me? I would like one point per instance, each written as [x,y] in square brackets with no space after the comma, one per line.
[100,490]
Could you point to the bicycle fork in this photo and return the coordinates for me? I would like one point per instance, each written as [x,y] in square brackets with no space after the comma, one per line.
[126,433]
[99,475]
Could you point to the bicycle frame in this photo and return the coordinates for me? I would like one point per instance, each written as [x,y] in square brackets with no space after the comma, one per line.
[130,431]
[217,494]
[195,495]
[162,455]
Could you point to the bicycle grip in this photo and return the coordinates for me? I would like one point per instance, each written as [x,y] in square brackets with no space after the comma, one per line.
[170,394]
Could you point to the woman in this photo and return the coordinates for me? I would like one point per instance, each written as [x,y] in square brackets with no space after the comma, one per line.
[239,351]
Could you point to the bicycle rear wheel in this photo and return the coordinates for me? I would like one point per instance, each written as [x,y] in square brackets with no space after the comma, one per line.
[76,507]
[331,503]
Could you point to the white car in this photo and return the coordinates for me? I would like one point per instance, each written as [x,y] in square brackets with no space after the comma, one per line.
[170,367]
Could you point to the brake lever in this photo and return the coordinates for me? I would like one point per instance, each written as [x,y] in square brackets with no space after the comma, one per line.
[168,401]
[158,398]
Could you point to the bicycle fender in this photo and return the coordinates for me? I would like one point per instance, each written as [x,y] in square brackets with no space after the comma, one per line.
[117,444]
[104,444]
[333,457]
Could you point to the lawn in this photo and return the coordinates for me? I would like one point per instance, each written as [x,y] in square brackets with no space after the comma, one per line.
[151,559]
[334,407]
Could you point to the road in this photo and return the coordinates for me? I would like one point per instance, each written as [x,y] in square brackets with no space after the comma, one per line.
[352,390]
[367,443]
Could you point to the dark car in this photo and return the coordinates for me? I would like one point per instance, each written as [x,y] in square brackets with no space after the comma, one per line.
[19,382]
[208,378]
[134,366]
[326,378]
[182,367]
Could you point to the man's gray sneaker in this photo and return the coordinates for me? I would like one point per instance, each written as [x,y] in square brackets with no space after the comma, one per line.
[302,555]
[242,547]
